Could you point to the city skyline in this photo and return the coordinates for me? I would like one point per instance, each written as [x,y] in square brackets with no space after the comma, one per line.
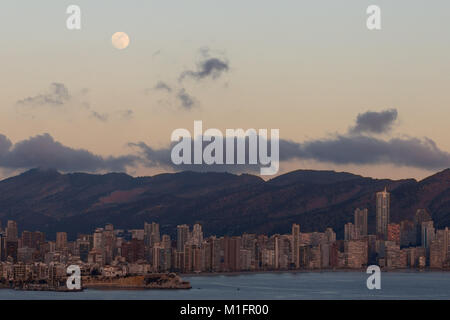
[406,244]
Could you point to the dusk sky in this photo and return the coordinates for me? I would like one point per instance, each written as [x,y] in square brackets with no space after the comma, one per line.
[71,100]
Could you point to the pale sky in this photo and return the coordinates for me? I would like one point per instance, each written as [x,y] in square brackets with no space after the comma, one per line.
[307,68]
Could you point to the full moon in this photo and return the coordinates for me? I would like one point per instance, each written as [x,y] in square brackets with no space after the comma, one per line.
[120,40]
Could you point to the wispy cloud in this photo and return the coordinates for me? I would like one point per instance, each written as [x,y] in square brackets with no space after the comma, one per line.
[207,68]
[127,114]
[100,116]
[162,86]
[186,100]
[57,95]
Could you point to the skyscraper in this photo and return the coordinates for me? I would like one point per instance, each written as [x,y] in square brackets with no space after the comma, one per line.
[361,221]
[428,233]
[98,239]
[394,232]
[295,244]
[351,232]
[61,240]
[422,215]
[197,235]
[151,234]
[182,236]
[11,231]
[383,213]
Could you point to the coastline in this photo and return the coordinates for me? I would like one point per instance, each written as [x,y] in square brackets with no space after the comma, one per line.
[170,281]
[238,273]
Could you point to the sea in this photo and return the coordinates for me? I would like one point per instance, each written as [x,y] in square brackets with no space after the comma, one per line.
[341,285]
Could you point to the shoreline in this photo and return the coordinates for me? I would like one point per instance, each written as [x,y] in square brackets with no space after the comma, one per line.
[238,273]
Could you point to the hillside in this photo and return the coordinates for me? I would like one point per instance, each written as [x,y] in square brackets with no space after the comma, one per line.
[224,203]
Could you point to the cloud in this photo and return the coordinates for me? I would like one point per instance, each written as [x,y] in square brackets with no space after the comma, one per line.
[127,114]
[209,67]
[356,147]
[43,151]
[162,86]
[100,116]
[365,150]
[57,95]
[375,122]
[151,157]
[156,53]
[343,149]
[187,101]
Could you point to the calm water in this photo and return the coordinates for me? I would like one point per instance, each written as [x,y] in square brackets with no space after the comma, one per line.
[305,285]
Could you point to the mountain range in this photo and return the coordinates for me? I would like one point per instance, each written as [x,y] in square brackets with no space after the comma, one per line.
[224,203]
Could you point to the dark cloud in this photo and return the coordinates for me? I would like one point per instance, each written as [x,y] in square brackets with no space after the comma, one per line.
[56,96]
[162,86]
[152,157]
[186,100]
[375,122]
[43,151]
[364,150]
[209,67]
[340,149]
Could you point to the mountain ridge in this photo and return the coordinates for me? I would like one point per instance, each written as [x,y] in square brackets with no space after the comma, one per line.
[225,203]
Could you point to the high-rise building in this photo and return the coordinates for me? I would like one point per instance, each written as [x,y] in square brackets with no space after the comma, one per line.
[98,239]
[2,246]
[394,233]
[283,252]
[27,239]
[166,242]
[137,234]
[232,249]
[356,253]
[61,240]
[182,236]
[361,221]
[197,235]
[422,215]
[109,243]
[83,247]
[351,232]
[11,231]
[295,244]
[383,213]
[439,249]
[330,235]
[428,233]
[133,250]
[407,233]
[151,234]
[11,247]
